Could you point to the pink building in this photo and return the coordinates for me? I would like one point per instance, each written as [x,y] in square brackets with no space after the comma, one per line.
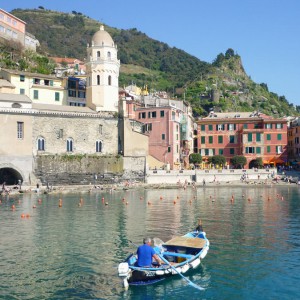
[162,125]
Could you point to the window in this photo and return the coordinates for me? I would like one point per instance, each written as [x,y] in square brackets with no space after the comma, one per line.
[268,149]
[268,126]
[258,137]
[258,150]
[148,127]
[56,96]
[152,114]
[108,55]
[98,79]
[47,82]
[100,128]
[268,137]
[22,78]
[220,139]
[245,126]
[98,55]
[210,139]
[250,150]
[173,115]
[202,127]
[231,150]
[221,151]
[41,144]
[210,127]
[169,149]
[109,80]
[249,137]
[51,82]
[69,145]
[36,81]
[206,151]
[163,136]
[35,94]
[177,149]
[20,130]
[22,91]
[231,139]
[142,115]
[220,127]
[162,113]
[278,149]
[231,127]
[98,146]
[279,137]
[202,139]
[279,126]
[72,93]
[81,94]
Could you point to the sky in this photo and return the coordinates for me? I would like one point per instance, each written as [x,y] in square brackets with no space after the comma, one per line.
[265,33]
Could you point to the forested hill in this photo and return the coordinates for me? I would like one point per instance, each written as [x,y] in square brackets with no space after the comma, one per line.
[222,85]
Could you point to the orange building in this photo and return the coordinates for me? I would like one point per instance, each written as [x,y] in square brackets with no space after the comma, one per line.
[253,135]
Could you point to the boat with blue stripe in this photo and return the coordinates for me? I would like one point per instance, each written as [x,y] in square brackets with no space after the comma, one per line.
[178,255]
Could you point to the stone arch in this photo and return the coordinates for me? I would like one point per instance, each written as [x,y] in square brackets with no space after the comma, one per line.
[10,174]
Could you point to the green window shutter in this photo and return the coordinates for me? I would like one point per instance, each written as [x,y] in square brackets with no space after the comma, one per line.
[268,149]
[202,139]
[258,137]
[220,139]
[210,127]
[202,127]
[279,136]
[249,137]
[210,139]
[56,96]
[231,150]
[221,151]
[258,150]
[268,137]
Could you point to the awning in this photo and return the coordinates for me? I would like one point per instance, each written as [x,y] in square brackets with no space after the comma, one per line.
[266,162]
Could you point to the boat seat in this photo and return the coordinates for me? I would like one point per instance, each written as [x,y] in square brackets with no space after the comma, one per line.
[177,254]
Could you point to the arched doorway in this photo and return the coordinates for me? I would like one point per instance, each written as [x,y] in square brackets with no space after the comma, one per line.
[10,176]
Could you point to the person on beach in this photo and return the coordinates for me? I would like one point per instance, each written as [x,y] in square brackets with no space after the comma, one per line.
[146,253]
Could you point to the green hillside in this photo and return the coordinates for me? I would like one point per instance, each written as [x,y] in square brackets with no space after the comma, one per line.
[222,85]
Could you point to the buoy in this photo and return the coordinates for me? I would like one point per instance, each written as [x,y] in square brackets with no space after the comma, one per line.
[123,199]
[149,203]
[13,207]
[28,215]
[22,216]
[40,201]
[174,202]
[160,197]
[249,199]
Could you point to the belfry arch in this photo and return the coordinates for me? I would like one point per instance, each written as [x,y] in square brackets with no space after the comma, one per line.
[10,175]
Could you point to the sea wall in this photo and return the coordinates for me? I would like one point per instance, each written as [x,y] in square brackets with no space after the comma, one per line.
[211,175]
[78,169]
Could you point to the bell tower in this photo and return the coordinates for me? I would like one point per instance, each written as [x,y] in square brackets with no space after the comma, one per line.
[102,70]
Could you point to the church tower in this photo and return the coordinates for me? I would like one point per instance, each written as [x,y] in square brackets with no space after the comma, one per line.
[102,70]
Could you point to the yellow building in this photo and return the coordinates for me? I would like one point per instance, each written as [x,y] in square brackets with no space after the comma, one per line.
[40,88]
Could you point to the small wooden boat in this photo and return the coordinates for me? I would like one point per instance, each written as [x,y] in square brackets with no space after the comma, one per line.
[179,255]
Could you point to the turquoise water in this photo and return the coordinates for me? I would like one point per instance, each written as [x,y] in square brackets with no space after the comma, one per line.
[73,252]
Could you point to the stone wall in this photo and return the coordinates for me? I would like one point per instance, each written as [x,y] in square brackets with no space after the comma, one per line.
[78,169]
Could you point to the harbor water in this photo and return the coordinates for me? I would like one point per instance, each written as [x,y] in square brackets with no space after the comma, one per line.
[73,251]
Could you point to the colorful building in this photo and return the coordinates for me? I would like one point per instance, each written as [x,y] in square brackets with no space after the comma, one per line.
[14,29]
[253,135]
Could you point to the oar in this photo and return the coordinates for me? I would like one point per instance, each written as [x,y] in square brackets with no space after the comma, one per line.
[186,279]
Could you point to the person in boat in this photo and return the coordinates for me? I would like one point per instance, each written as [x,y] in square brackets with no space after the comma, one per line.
[199,227]
[146,253]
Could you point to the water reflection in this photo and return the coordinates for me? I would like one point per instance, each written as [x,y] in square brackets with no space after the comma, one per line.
[72,252]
